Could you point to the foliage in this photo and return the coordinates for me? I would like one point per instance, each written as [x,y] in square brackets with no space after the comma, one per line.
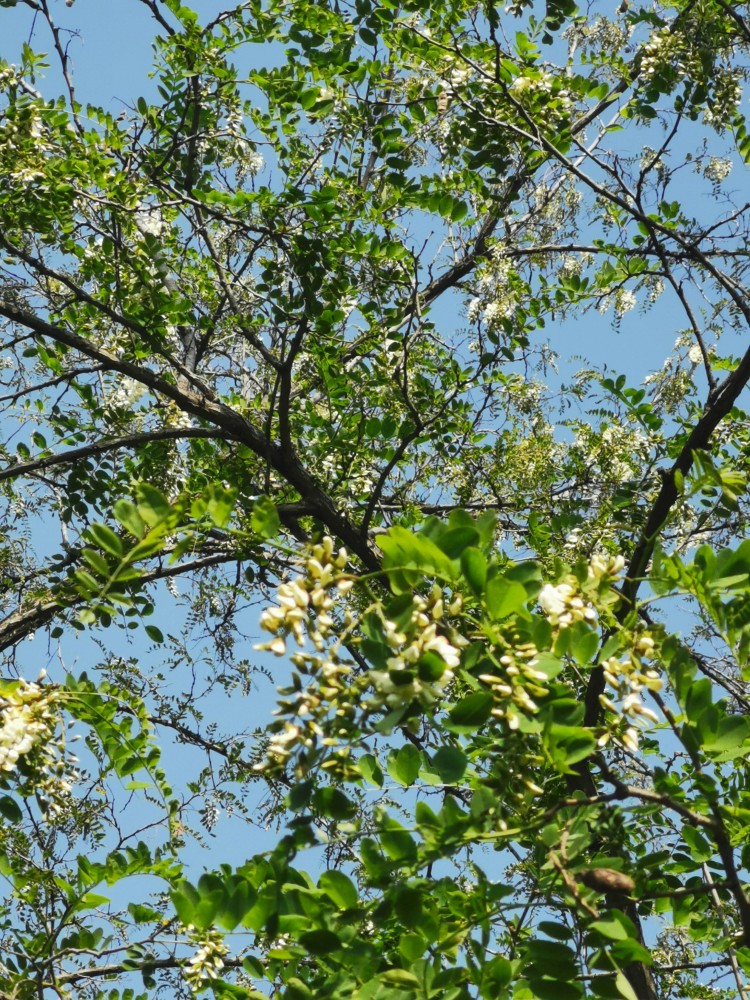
[284,352]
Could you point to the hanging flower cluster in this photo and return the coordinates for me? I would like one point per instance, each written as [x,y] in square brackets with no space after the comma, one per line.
[564,604]
[411,674]
[208,961]
[303,610]
[516,682]
[629,679]
[306,600]
[325,695]
[415,654]
[29,740]
[717,169]
[540,91]
[28,719]
[499,291]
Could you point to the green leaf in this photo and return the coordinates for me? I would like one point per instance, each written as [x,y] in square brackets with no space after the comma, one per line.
[456,540]
[107,539]
[264,519]
[700,849]
[611,929]
[624,988]
[450,763]
[403,549]
[568,745]
[474,568]
[10,810]
[340,888]
[408,906]
[403,764]
[398,844]
[370,770]
[472,711]
[400,978]
[320,942]
[504,597]
[90,901]
[219,504]
[308,98]
[153,506]
[334,803]
[730,739]
[555,989]
[128,516]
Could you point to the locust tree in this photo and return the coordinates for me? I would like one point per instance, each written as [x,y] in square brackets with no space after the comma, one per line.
[287,393]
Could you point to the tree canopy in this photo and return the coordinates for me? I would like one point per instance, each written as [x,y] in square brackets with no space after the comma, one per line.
[295,386]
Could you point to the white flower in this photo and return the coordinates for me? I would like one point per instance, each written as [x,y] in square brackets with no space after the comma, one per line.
[602,565]
[522,83]
[553,599]
[254,163]
[562,605]
[625,300]
[208,961]
[127,393]
[717,169]
[149,220]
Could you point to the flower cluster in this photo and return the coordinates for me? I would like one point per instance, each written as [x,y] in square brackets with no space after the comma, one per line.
[598,35]
[516,679]
[695,355]
[306,596]
[335,470]
[24,145]
[717,169]
[208,961]
[125,393]
[603,566]
[149,220]
[572,265]
[497,292]
[458,74]
[554,210]
[629,679]
[403,682]
[543,87]
[623,300]
[616,452]
[9,75]
[672,383]
[419,656]
[563,605]
[724,99]
[668,51]
[303,610]
[29,719]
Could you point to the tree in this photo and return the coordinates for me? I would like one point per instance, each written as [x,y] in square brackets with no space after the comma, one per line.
[280,356]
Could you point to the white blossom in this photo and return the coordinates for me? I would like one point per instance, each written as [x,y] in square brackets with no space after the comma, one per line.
[208,961]
[717,169]
[149,220]
[625,300]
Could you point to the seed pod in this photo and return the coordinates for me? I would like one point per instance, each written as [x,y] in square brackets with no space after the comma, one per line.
[606,880]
